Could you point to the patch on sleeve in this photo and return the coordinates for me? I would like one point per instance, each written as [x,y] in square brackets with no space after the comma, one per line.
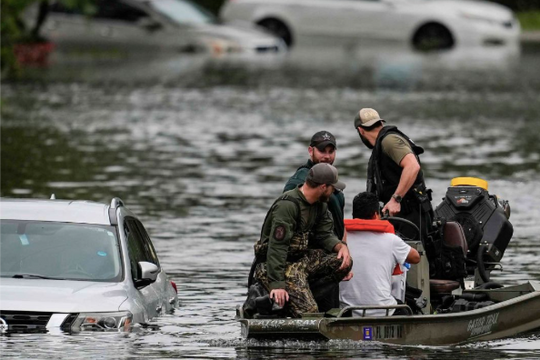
[280,232]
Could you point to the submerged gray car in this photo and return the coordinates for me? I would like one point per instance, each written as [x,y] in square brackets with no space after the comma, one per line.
[76,266]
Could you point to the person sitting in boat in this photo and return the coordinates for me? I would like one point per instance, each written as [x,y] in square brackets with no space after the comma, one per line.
[298,244]
[375,250]
[323,149]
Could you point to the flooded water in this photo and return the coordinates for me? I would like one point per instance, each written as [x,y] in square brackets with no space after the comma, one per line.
[199,148]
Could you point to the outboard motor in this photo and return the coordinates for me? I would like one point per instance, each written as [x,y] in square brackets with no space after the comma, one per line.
[484,219]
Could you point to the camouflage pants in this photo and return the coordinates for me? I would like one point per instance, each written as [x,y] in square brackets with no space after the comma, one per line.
[315,265]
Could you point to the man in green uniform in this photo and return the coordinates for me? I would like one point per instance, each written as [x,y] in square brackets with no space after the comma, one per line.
[394,172]
[298,244]
[322,149]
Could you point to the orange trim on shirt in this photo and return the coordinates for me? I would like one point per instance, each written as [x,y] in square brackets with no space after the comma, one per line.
[382,226]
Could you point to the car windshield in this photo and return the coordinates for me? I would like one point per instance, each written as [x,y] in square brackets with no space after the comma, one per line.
[30,250]
[183,12]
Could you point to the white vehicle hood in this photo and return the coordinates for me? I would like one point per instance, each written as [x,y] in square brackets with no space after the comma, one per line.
[60,296]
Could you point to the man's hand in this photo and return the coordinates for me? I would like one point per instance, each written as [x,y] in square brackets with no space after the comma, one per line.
[280,296]
[343,253]
[348,277]
[393,207]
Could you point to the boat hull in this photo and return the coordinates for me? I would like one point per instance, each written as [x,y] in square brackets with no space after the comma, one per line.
[518,310]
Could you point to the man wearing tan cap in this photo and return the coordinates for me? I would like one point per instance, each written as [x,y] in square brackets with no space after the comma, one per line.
[298,246]
[394,172]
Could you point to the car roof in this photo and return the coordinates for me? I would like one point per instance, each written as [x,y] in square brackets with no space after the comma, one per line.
[84,212]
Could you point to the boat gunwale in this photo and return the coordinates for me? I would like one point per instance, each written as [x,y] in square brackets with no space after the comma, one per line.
[534,291]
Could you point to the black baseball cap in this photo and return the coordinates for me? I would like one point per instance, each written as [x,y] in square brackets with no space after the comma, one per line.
[322,139]
[323,173]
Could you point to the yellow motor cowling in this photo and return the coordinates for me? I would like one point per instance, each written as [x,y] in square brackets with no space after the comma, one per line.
[469,181]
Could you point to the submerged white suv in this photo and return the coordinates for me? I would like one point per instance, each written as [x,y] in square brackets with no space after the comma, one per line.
[77,265]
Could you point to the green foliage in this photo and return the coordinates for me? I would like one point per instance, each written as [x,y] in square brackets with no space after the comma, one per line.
[519,5]
[530,20]
[11,28]
[87,6]
[15,31]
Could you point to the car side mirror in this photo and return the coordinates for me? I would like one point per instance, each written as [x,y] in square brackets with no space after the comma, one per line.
[149,24]
[148,273]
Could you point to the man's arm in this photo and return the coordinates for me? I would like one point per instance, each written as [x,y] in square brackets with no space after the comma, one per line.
[411,168]
[413,257]
[403,252]
[343,253]
[327,239]
[281,231]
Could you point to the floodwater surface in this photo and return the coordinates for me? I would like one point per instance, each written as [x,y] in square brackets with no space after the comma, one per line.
[200,148]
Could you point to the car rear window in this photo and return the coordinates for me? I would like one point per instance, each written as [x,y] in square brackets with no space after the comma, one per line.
[59,251]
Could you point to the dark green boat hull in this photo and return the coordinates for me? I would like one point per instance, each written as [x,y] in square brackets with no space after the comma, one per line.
[517,310]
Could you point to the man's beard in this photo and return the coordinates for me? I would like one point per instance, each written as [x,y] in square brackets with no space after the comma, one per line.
[365,141]
[325,198]
[318,161]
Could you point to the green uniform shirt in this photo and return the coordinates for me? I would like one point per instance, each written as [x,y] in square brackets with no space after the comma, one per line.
[336,204]
[281,225]
[396,147]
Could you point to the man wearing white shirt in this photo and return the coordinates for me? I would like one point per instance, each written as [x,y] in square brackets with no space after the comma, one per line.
[375,250]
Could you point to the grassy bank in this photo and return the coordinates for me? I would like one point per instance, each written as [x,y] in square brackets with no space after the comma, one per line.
[530,20]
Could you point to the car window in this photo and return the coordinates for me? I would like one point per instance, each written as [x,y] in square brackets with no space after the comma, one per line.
[60,251]
[103,9]
[147,242]
[59,7]
[139,246]
[116,10]
[183,12]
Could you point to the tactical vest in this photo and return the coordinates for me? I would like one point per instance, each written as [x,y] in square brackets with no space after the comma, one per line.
[384,174]
[300,239]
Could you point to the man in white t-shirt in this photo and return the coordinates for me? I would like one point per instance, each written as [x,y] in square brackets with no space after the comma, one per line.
[375,250]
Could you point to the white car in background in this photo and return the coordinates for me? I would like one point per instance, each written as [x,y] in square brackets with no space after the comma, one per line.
[77,266]
[131,28]
[425,24]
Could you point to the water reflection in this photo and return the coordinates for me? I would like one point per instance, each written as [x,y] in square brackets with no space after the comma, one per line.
[201,154]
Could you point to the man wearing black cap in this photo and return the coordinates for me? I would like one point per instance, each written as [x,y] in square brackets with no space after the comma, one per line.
[322,149]
[297,245]
[394,172]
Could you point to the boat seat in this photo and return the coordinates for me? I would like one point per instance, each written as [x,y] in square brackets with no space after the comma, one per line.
[453,236]
[442,286]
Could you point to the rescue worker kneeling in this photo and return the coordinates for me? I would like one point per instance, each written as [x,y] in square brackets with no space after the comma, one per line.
[298,246]
[375,250]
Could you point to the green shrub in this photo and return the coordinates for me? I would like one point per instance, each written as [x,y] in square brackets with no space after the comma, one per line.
[530,20]
[520,5]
